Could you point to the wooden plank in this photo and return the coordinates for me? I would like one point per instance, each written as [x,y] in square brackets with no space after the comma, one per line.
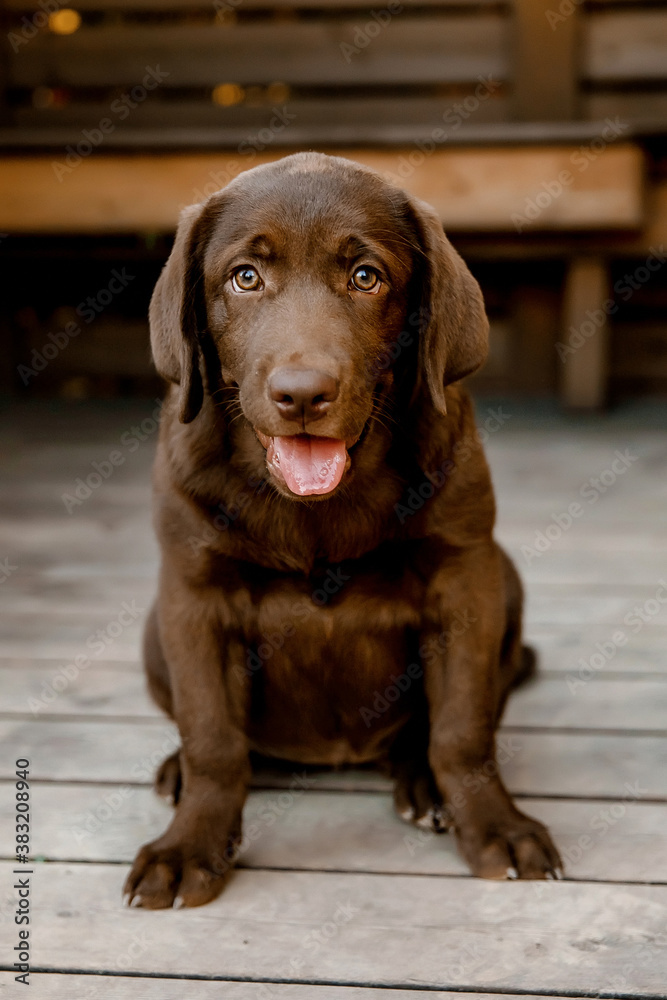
[88,592]
[562,649]
[384,930]
[497,132]
[158,6]
[408,50]
[590,609]
[61,636]
[645,110]
[354,118]
[52,986]
[585,340]
[583,699]
[586,699]
[71,690]
[538,764]
[620,840]
[586,564]
[49,664]
[544,89]
[471,189]
[624,45]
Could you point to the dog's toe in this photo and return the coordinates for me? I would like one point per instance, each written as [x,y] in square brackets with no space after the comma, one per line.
[168,778]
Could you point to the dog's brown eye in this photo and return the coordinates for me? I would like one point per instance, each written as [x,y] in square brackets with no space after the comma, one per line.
[246,279]
[365,279]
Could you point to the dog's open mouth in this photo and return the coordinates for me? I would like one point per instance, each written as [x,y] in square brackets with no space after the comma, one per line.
[308,465]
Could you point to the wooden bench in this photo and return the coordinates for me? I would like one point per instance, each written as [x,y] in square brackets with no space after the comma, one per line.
[530,125]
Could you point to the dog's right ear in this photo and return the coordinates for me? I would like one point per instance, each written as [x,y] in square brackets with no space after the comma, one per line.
[177,315]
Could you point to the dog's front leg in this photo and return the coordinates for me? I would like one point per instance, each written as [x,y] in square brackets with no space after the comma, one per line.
[187,864]
[461,648]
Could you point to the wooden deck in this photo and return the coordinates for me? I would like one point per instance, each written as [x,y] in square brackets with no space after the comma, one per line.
[337,899]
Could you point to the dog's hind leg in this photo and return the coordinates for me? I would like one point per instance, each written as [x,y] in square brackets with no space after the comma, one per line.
[168,776]
[518,663]
[157,671]
[416,796]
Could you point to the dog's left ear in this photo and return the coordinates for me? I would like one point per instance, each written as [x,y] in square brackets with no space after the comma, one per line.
[454,330]
[178,315]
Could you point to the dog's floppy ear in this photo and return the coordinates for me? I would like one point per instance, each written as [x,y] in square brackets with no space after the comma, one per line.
[178,315]
[454,330]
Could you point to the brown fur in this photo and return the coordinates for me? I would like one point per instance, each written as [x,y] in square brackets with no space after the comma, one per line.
[281,621]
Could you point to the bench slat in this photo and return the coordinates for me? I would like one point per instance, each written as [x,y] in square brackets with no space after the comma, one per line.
[625,45]
[407,50]
[353,119]
[472,189]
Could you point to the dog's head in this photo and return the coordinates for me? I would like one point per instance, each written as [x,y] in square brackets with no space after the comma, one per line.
[314,289]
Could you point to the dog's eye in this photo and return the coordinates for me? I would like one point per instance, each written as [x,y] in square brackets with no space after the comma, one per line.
[365,279]
[246,279]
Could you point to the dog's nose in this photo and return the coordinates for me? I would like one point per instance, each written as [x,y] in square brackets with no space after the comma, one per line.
[302,393]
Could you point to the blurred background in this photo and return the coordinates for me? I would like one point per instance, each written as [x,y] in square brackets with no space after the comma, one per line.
[538,128]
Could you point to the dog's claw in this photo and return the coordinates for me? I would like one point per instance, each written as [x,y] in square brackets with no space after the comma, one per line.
[427,821]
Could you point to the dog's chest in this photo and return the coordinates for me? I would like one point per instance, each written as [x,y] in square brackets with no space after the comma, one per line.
[320,656]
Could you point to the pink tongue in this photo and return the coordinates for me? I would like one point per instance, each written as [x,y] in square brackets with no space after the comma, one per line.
[310,464]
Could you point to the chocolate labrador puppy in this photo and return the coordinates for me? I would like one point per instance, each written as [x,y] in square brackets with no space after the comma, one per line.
[330,591]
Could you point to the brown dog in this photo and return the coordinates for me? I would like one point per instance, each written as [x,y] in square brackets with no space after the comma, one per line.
[330,589]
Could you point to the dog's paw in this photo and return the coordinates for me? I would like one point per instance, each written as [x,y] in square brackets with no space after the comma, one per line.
[164,876]
[516,848]
[167,782]
[417,801]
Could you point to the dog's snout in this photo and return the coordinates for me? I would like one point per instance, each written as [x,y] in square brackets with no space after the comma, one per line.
[302,393]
